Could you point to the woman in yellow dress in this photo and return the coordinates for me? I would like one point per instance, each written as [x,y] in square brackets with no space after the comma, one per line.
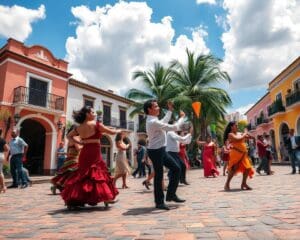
[238,156]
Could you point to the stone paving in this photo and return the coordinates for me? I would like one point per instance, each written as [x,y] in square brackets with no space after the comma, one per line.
[270,211]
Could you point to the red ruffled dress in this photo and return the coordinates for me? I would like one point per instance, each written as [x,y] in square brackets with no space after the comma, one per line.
[91,183]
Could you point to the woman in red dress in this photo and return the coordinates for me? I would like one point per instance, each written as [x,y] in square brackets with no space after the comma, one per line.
[209,158]
[91,183]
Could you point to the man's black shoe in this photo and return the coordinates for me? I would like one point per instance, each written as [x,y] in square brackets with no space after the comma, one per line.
[258,171]
[293,172]
[162,206]
[185,183]
[24,186]
[175,199]
[13,186]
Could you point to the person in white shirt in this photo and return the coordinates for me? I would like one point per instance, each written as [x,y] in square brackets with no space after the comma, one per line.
[173,140]
[293,147]
[156,131]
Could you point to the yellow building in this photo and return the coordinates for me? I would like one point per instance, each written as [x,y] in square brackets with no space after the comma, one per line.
[285,97]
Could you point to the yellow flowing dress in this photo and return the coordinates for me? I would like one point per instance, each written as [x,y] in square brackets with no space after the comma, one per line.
[238,158]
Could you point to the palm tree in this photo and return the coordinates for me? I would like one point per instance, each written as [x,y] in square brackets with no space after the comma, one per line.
[196,81]
[157,84]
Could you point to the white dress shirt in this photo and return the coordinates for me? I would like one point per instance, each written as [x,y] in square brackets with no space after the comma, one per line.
[173,140]
[293,142]
[156,129]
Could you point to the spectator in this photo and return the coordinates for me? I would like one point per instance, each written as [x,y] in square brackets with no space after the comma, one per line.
[3,148]
[18,150]
[60,155]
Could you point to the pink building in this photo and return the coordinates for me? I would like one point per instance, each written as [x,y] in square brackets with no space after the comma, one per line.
[33,90]
[259,122]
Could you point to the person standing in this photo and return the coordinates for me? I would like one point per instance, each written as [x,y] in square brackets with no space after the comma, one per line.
[173,140]
[262,154]
[182,152]
[293,146]
[140,158]
[60,156]
[156,131]
[91,183]
[238,156]
[3,148]
[122,167]
[225,155]
[17,150]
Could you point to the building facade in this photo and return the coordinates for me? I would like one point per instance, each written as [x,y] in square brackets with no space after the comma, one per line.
[33,90]
[285,102]
[259,121]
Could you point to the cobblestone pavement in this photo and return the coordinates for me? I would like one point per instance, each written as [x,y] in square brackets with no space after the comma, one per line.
[270,211]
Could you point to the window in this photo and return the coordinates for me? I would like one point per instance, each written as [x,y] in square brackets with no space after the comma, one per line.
[88,101]
[123,120]
[106,115]
[278,96]
[297,85]
[38,91]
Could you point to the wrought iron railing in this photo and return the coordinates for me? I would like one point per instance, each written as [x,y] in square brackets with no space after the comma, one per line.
[275,107]
[261,120]
[118,123]
[292,98]
[39,98]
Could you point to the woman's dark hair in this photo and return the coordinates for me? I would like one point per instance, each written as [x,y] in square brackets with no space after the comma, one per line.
[148,104]
[118,137]
[0,131]
[228,130]
[79,116]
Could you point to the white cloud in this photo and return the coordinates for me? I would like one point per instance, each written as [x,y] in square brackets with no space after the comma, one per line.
[213,2]
[113,41]
[16,21]
[263,38]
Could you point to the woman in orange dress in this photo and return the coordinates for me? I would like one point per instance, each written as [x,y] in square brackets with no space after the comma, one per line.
[238,156]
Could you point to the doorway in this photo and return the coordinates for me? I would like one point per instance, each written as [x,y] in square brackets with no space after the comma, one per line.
[33,134]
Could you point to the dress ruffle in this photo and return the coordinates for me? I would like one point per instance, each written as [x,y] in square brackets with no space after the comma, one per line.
[91,183]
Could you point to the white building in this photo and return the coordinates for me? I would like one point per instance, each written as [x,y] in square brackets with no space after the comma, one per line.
[115,112]
[235,116]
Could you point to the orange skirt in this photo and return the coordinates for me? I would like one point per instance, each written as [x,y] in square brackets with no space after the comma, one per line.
[240,161]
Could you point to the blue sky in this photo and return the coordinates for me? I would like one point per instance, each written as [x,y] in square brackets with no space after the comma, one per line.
[104,44]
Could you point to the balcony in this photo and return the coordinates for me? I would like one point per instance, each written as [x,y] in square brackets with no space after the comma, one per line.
[276,107]
[292,98]
[36,98]
[262,120]
[118,123]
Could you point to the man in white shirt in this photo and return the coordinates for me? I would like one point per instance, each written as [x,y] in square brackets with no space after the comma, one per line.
[156,131]
[173,140]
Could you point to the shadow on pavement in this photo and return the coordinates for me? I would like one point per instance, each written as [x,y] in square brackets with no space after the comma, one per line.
[151,210]
[79,210]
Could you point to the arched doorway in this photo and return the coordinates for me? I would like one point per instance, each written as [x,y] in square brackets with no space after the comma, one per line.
[298,127]
[33,134]
[105,150]
[284,132]
[272,135]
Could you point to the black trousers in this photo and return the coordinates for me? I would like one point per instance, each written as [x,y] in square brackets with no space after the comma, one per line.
[176,157]
[160,158]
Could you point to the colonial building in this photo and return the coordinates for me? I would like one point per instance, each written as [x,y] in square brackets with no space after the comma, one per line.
[285,102]
[258,119]
[33,89]
[115,113]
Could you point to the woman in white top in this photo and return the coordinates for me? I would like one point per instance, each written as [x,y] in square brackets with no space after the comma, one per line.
[122,166]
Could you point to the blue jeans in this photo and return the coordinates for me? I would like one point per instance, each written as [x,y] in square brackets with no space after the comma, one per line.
[16,171]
